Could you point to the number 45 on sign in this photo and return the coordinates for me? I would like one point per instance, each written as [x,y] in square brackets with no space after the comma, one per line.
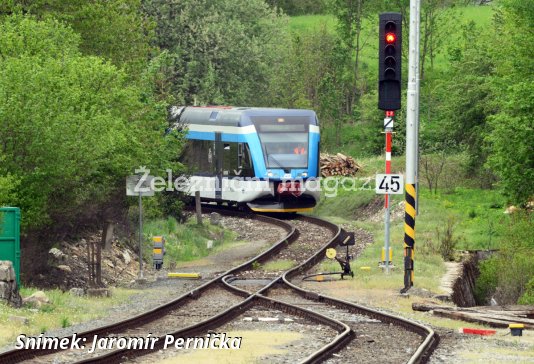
[389,184]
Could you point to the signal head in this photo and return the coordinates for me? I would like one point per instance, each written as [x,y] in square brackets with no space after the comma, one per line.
[389,61]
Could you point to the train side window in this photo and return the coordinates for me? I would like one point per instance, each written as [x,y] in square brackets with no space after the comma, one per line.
[230,165]
[198,157]
[236,160]
[246,167]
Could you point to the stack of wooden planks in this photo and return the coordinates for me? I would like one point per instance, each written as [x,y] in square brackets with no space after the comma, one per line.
[338,165]
[494,316]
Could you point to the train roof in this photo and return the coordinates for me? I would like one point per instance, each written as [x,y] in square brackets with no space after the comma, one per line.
[237,116]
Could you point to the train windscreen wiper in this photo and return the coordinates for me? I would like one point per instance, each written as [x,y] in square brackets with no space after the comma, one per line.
[269,157]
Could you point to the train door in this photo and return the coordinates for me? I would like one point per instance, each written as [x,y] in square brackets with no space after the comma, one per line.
[219,156]
[237,172]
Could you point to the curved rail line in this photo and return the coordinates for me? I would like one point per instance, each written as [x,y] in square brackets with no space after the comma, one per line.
[345,333]
[19,355]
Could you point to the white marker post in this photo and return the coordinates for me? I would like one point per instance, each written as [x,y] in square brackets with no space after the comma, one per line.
[140,185]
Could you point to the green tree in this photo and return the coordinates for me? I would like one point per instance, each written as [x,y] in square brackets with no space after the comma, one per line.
[462,100]
[72,126]
[219,52]
[299,7]
[113,29]
[512,132]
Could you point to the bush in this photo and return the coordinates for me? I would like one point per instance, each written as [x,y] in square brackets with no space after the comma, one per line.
[509,275]
[72,126]
[447,240]
[486,283]
[528,297]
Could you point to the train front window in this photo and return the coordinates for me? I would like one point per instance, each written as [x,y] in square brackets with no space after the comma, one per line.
[284,141]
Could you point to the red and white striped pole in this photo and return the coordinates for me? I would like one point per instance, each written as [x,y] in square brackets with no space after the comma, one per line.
[388,130]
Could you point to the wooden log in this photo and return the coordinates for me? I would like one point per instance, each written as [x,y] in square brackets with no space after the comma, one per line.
[342,156]
[425,307]
[490,321]
[515,310]
[338,165]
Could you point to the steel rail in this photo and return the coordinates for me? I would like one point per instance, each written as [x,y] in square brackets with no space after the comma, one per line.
[345,333]
[18,355]
[422,354]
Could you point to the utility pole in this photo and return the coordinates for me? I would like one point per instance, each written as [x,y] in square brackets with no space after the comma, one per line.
[411,147]
[417,83]
[140,236]
[140,185]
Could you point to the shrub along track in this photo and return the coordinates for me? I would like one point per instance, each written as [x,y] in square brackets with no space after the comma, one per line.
[281,250]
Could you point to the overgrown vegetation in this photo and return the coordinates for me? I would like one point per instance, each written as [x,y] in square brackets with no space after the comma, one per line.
[278,265]
[475,101]
[447,241]
[507,277]
[185,242]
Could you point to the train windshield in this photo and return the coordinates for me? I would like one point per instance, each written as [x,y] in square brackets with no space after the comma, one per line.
[284,141]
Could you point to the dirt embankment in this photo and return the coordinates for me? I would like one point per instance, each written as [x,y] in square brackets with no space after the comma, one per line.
[68,265]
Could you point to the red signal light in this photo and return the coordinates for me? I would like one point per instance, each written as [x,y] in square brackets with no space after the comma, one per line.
[390,114]
[390,38]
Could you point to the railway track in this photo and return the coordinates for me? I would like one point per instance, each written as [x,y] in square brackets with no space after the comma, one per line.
[306,245]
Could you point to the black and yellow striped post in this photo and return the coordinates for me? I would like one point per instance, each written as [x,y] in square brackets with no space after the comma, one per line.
[409,236]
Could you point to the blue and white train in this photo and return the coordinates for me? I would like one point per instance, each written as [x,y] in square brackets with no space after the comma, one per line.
[265,158]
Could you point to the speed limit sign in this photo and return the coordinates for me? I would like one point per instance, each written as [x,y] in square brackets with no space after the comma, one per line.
[389,184]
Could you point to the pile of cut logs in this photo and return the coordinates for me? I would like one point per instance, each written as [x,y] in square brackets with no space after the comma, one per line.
[494,316]
[338,165]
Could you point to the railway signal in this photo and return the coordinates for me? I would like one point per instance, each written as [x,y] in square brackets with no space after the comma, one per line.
[390,61]
[389,100]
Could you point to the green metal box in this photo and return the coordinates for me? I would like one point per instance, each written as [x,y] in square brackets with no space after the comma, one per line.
[10,237]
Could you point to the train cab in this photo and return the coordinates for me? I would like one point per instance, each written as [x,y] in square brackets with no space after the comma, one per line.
[265,158]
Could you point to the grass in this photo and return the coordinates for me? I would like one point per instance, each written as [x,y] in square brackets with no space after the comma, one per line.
[345,204]
[344,210]
[476,214]
[457,16]
[278,265]
[305,23]
[64,310]
[186,242]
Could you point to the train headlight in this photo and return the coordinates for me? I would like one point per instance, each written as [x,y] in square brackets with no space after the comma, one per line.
[304,174]
[269,174]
